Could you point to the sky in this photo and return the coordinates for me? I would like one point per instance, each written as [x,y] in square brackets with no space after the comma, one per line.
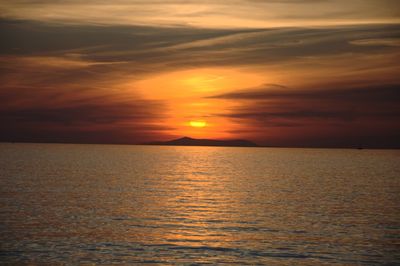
[293,73]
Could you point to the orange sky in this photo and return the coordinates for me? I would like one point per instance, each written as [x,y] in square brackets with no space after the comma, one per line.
[282,73]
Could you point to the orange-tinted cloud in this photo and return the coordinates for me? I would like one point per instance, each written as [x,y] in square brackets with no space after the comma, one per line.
[206,13]
[354,116]
[93,82]
[89,117]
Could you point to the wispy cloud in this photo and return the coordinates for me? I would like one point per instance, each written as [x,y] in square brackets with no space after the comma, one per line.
[378,42]
[78,116]
[65,79]
[337,112]
[204,13]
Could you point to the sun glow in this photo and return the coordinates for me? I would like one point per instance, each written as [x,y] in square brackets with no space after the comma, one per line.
[187,97]
[199,124]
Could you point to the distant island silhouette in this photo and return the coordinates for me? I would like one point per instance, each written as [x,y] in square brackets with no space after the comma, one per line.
[186,141]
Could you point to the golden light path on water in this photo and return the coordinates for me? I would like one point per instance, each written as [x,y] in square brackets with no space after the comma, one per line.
[108,204]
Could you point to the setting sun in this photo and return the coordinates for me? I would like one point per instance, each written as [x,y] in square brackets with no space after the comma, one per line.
[259,132]
[199,124]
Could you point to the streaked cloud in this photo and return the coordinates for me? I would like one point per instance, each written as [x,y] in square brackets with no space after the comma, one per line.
[281,71]
[204,13]
[61,115]
[378,42]
[273,110]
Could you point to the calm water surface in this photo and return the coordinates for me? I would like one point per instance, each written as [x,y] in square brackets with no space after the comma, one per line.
[104,204]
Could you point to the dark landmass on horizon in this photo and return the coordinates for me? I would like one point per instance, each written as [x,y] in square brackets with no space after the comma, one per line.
[186,141]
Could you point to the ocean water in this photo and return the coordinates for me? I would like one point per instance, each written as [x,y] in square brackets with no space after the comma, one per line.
[106,204]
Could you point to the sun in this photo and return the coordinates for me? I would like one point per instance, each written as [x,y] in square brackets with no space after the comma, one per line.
[198,123]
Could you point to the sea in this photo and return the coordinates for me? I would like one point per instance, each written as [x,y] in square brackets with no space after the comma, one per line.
[73,204]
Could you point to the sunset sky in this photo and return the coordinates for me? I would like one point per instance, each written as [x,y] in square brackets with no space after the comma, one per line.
[314,73]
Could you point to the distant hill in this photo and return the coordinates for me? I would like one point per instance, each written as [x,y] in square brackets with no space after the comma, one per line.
[185,141]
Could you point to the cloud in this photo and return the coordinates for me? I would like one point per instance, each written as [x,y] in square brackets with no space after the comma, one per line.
[65,115]
[377,42]
[205,13]
[160,49]
[383,94]
[65,82]
[272,102]
[307,117]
